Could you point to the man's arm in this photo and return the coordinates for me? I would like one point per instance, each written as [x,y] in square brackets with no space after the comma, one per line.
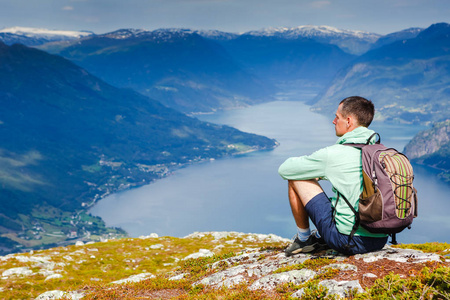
[305,167]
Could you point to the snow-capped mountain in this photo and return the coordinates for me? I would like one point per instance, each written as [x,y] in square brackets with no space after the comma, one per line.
[314,31]
[38,36]
[45,33]
[354,42]
[165,33]
[216,34]
[158,34]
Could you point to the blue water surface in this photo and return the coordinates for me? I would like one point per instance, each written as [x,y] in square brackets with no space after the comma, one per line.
[246,194]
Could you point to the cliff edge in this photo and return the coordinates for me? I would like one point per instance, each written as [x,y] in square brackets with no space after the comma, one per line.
[222,265]
[432,148]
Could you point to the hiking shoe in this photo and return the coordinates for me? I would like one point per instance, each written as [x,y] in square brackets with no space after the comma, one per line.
[312,244]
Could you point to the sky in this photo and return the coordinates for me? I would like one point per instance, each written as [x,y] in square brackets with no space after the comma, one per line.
[101,16]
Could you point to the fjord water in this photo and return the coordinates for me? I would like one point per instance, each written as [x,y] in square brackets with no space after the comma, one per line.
[246,194]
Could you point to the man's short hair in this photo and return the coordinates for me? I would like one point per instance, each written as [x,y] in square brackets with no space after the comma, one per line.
[359,107]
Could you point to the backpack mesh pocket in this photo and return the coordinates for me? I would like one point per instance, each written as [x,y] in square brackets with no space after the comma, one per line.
[400,172]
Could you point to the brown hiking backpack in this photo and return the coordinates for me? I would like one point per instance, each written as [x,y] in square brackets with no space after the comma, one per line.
[388,203]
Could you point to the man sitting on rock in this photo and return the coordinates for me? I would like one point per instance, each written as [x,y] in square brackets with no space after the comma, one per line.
[342,166]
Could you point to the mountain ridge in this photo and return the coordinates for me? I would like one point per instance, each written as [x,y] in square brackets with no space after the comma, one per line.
[30,36]
[351,41]
[71,139]
[194,72]
[400,78]
[177,67]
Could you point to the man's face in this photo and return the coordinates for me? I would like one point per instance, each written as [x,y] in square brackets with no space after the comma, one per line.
[340,122]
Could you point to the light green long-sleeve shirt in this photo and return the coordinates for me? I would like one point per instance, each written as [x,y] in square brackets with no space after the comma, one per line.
[342,166]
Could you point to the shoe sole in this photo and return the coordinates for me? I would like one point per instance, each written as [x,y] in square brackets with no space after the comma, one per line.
[307,249]
[294,252]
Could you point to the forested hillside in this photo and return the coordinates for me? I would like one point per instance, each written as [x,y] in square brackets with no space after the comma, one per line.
[68,139]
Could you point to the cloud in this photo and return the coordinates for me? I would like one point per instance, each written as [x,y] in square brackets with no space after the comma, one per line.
[67,8]
[320,4]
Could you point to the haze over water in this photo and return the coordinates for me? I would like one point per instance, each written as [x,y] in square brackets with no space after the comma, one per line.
[246,194]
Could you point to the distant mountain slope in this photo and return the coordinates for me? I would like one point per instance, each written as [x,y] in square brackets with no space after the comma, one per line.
[198,71]
[180,68]
[68,138]
[432,148]
[38,36]
[299,62]
[353,42]
[408,80]
[406,34]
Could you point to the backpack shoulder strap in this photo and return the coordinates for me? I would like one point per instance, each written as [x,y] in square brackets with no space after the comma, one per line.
[370,138]
[357,220]
[360,146]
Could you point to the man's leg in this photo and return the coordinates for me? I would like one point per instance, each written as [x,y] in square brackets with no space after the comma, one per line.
[300,192]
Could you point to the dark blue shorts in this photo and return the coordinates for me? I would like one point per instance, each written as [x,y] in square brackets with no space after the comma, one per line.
[320,212]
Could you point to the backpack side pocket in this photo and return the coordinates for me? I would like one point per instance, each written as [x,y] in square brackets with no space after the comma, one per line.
[371,208]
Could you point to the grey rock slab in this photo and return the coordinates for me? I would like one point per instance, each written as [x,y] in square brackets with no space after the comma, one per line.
[152,235]
[399,255]
[341,288]
[200,253]
[218,279]
[369,275]
[56,294]
[269,282]
[134,278]
[20,271]
[178,277]
[157,246]
[250,265]
[232,281]
[251,237]
[53,276]
[51,295]
[35,259]
[338,288]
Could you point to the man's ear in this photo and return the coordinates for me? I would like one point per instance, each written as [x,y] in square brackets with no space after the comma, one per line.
[349,120]
[352,122]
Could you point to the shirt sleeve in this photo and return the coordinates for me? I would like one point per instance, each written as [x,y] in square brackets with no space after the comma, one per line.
[305,167]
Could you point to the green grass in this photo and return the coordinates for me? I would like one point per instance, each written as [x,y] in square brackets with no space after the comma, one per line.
[433,247]
[92,267]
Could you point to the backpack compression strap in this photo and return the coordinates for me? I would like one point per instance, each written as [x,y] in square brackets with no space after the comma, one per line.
[357,220]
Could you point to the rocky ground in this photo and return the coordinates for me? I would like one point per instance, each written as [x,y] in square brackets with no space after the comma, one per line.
[222,265]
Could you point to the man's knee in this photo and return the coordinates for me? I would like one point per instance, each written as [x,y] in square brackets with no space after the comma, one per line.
[305,189]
